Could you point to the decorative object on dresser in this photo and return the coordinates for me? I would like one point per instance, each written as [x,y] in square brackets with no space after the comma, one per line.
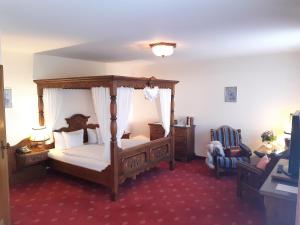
[184,138]
[234,149]
[24,166]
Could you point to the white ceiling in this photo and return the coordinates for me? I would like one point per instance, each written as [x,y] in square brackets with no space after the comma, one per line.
[119,30]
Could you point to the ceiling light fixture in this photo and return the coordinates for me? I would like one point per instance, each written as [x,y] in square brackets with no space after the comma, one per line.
[163,48]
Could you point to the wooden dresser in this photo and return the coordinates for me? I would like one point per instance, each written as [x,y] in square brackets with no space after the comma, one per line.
[184,140]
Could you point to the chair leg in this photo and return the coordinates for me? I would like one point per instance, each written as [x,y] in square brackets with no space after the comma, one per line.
[239,191]
[238,186]
[217,172]
[172,165]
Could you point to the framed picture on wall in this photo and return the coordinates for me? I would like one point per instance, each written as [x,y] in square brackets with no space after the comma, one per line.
[8,97]
[230,94]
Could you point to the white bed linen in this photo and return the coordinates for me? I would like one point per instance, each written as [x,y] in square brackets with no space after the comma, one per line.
[138,140]
[87,156]
[91,156]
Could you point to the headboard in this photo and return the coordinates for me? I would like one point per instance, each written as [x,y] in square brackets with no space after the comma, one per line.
[78,122]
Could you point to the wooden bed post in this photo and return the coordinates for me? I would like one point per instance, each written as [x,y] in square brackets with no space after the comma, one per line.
[40,91]
[113,143]
[172,157]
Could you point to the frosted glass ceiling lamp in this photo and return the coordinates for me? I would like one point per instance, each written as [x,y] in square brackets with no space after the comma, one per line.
[163,48]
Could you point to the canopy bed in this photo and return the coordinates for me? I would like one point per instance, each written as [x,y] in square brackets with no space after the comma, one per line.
[111,98]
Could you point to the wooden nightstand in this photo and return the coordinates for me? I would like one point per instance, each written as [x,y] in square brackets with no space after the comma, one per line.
[184,140]
[29,166]
[37,156]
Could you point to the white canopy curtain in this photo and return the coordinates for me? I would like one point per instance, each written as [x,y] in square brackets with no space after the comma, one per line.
[53,101]
[165,109]
[124,105]
[101,100]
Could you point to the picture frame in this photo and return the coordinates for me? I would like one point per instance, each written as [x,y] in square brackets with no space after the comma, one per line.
[230,94]
[8,97]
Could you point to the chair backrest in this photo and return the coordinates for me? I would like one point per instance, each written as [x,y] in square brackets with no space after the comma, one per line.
[229,137]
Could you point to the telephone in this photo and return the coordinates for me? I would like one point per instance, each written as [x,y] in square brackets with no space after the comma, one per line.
[23,150]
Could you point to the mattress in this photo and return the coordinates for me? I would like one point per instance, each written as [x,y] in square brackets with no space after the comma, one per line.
[90,156]
[132,142]
[87,156]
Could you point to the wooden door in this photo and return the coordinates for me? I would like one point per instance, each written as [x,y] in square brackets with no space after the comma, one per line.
[4,191]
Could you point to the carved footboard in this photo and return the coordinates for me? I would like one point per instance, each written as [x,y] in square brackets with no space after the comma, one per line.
[138,159]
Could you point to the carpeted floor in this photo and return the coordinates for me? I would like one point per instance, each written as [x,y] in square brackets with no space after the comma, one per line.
[188,195]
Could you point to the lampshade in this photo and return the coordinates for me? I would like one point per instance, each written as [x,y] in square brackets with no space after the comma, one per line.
[39,134]
[163,48]
[288,125]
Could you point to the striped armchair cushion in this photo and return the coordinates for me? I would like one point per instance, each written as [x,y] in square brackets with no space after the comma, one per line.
[229,137]
[230,162]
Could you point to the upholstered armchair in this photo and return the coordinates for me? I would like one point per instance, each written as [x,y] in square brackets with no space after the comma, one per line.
[234,149]
[250,178]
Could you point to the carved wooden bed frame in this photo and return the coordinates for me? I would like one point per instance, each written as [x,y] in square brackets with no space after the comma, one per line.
[126,163]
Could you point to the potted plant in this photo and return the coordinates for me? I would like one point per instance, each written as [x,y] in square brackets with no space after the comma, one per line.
[268,137]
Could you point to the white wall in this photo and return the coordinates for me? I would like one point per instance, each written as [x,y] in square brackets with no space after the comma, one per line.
[56,67]
[268,90]
[143,112]
[76,102]
[18,69]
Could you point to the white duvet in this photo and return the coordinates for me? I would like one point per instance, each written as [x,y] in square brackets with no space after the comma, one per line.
[90,151]
[138,140]
[90,156]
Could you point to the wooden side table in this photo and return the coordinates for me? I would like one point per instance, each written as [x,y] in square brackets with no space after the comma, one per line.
[29,166]
[280,205]
[184,140]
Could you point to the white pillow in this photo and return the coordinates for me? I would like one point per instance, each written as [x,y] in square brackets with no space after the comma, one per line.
[59,141]
[73,139]
[100,139]
[92,136]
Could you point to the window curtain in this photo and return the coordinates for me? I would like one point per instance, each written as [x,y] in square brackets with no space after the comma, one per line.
[124,106]
[53,100]
[101,100]
[165,108]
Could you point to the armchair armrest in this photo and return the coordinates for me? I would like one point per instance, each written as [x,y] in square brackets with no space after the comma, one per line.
[249,178]
[246,167]
[246,150]
[250,175]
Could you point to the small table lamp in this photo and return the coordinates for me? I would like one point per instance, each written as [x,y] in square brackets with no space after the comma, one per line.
[39,136]
[288,132]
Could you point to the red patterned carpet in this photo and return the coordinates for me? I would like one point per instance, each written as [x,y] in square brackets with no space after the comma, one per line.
[188,195]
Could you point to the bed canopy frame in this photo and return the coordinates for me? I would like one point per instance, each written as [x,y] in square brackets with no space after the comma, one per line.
[124,163]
